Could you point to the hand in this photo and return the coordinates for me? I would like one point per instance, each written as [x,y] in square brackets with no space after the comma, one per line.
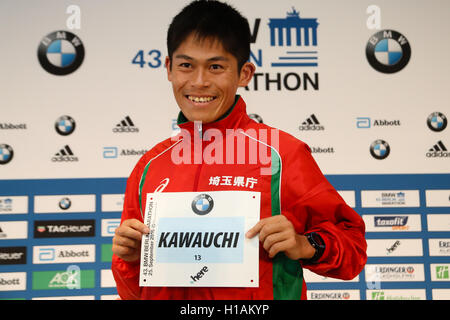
[277,234]
[127,240]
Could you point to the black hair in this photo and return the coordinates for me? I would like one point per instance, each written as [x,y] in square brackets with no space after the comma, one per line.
[213,20]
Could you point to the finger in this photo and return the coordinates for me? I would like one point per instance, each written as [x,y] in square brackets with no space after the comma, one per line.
[128,232]
[137,225]
[124,252]
[126,242]
[279,247]
[272,239]
[256,228]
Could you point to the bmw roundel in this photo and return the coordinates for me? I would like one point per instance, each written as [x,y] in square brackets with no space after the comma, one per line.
[202,204]
[65,125]
[388,51]
[65,203]
[437,121]
[61,53]
[6,153]
[380,149]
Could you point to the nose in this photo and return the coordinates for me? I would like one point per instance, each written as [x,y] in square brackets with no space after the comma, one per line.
[200,78]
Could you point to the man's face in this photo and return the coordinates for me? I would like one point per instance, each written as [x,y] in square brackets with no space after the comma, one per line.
[205,78]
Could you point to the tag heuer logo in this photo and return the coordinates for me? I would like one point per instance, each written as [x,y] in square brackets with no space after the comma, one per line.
[202,204]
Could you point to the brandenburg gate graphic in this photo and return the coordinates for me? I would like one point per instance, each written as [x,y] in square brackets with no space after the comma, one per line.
[281,27]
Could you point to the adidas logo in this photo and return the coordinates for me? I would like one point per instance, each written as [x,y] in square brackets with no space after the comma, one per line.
[311,124]
[126,125]
[438,151]
[64,155]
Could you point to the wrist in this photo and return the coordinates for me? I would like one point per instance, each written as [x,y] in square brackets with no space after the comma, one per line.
[315,241]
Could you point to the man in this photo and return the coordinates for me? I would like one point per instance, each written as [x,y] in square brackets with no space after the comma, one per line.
[303,221]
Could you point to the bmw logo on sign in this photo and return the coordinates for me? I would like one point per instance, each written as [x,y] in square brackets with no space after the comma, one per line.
[61,53]
[6,153]
[65,125]
[379,149]
[202,204]
[388,51]
[437,121]
[65,203]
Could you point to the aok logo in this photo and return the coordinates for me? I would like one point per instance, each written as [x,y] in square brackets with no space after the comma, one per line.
[199,274]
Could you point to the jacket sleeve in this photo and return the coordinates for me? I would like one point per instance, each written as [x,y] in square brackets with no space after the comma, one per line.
[126,274]
[316,206]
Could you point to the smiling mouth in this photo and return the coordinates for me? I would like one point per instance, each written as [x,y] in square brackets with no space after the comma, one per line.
[200,99]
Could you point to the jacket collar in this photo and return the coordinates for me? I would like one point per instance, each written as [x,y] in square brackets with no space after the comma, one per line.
[236,117]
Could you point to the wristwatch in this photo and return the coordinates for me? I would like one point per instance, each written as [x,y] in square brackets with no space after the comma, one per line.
[317,243]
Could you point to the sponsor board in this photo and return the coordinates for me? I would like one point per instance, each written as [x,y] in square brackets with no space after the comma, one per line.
[107,279]
[394,247]
[348,196]
[439,247]
[394,272]
[13,255]
[72,278]
[106,253]
[109,227]
[440,294]
[13,281]
[14,205]
[438,222]
[65,298]
[333,295]
[389,198]
[64,254]
[396,294]
[13,230]
[64,228]
[440,271]
[64,203]
[437,198]
[392,222]
[112,202]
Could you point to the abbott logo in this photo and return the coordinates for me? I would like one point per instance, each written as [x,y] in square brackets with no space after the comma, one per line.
[110,152]
[46,254]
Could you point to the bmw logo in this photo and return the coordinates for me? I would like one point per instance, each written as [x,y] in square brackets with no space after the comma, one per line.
[65,125]
[61,53]
[388,51]
[437,121]
[6,153]
[255,117]
[202,204]
[65,203]
[379,149]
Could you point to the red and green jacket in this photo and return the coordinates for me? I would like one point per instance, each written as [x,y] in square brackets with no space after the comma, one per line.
[290,183]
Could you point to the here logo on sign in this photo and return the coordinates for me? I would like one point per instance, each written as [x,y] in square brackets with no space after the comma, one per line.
[199,274]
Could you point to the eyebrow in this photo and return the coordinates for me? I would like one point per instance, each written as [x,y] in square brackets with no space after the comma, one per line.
[186,57]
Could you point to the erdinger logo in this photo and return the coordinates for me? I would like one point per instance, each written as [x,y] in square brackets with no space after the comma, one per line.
[202,204]
[6,153]
[61,53]
[65,125]
[379,149]
[388,51]
[437,121]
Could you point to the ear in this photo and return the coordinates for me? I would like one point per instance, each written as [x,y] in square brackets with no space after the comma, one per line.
[168,66]
[246,74]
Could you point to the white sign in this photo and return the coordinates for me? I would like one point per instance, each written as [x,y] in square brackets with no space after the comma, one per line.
[437,198]
[13,230]
[64,254]
[64,203]
[197,239]
[392,222]
[14,205]
[394,247]
[438,222]
[390,198]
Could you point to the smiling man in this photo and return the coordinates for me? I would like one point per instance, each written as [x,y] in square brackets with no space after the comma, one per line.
[303,222]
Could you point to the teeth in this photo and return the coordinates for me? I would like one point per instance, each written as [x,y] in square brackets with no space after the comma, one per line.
[200,99]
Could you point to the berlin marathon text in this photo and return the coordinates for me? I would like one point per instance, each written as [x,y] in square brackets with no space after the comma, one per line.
[199,239]
[290,81]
